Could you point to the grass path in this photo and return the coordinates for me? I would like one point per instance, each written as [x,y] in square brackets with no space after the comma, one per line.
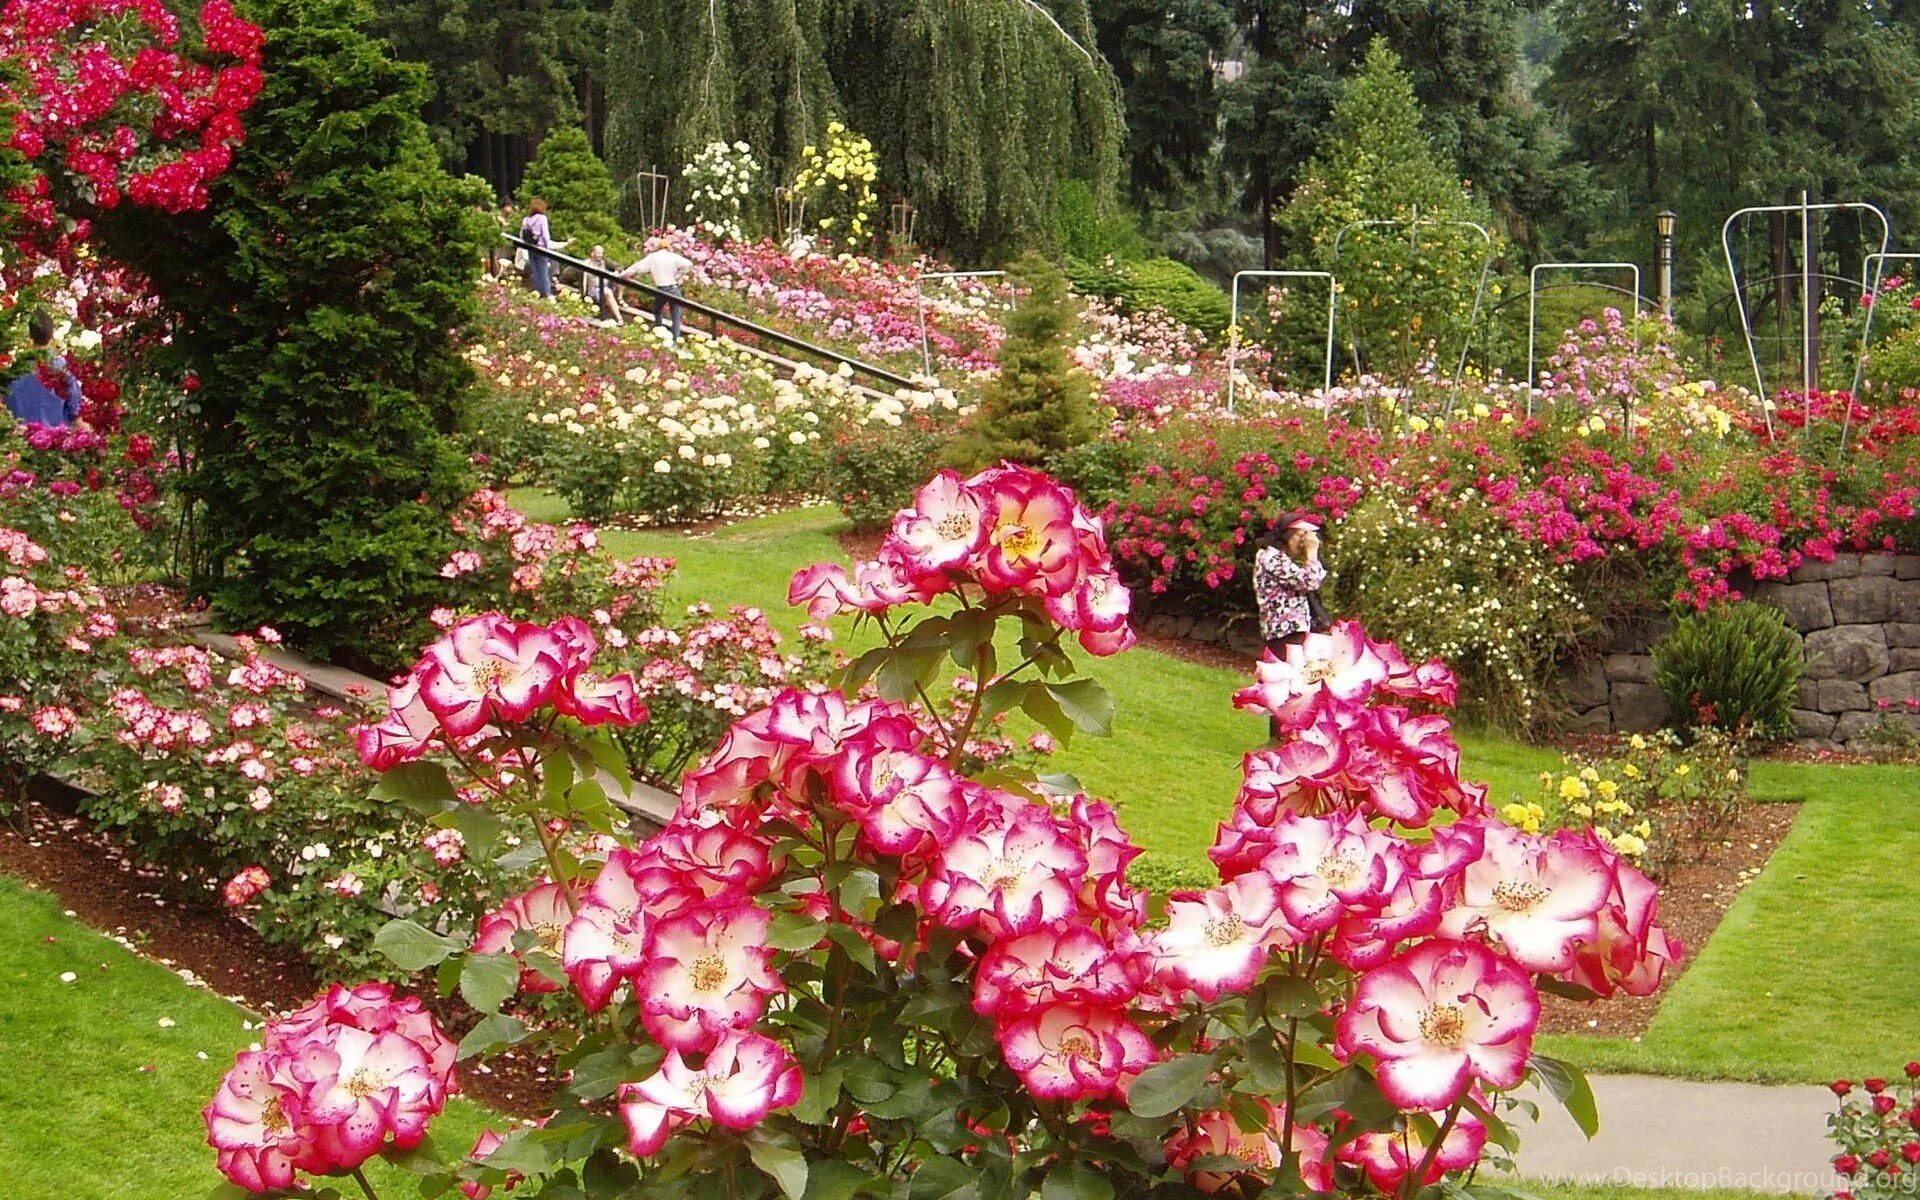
[99,1099]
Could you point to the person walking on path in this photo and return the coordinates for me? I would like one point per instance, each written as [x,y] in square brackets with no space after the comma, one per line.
[668,272]
[534,229]
[1287,574]
[600,292]
[45,392]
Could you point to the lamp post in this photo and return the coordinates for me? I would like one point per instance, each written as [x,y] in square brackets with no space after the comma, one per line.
[1663,225]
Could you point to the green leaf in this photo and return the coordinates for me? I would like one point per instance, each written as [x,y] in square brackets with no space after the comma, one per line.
[1062,784]
[1088,705]
[480,828]
[601,1073]
[832,1179]
[907,669]
[1003,696]
[862,669]
[495,1030]
[1038,702]
[522,1151]
[1076,1181]
[424,1159]
[794,933]
[1291,996]
[783,1163]
[412,946]
[820,1093]
[1569,1086]
[486,980]
[421,786]
[1168,1087]
[941,1179]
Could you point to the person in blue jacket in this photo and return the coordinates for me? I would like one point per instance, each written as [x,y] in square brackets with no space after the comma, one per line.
[44,392]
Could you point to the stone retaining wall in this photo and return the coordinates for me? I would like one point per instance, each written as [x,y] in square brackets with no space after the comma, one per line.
[1858,618]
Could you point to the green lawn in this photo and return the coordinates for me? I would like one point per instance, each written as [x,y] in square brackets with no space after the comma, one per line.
[1815,972]
[99,1101]
[1173,764]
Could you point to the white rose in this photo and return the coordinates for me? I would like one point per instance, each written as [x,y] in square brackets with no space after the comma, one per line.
[662,467]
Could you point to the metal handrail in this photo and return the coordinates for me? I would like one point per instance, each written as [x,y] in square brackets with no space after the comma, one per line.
[718,317]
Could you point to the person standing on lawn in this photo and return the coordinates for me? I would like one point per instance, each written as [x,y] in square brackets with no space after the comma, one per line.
[45,391]
[668,272]
[1287,574]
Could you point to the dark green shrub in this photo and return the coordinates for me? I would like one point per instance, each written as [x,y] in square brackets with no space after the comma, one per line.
[872,471]
[1155,284]
[1100,470]
[579,192]
[314,302]
[1735,667]
[1040,403]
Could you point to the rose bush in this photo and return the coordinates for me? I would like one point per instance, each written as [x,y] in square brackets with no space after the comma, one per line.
[846,966]
[1878,1132]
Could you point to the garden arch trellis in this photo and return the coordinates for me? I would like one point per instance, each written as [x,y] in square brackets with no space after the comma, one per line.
[1412,225]
[1533,315]
[1233,330]
[1807,276]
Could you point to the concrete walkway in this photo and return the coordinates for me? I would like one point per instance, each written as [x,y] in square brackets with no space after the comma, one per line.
[1678,1133]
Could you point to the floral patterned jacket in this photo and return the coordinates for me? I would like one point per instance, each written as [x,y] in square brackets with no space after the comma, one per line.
[1280,587]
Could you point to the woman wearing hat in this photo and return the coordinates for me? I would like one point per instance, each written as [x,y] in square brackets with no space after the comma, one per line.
[1286,581]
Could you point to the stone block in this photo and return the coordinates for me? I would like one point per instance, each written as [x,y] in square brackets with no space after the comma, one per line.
[1878,564]
[1161,625]
[1805,604]
[1815,726]
[1635,634]
[1244,638]
[1807,694]
[1853,652]
[1907,566]
[1895,689]
[1593,720]
[1843,566]
[1905,605]
[1639,708]
[1630,668]
[1903,658]
[1866,600]
[1208,629]
[1841,696]
[1585,684]
[1903,633]
[1852,725]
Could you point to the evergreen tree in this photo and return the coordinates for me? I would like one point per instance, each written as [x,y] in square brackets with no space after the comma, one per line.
[313,301]
[1709,108]
[1040,403]
[1407,292]
[579,193]
[1465,61]
[1163,56]
[502,74]
[1275,113]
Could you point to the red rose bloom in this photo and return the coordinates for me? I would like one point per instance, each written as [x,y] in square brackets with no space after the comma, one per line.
[1874,1086]
[1846,1164]
[1840,1087]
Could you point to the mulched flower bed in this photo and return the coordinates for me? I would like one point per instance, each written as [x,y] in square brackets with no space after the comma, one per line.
[140,908]
[1693,899]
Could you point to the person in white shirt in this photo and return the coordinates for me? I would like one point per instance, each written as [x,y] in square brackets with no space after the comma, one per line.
[597,290]
[667,271]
